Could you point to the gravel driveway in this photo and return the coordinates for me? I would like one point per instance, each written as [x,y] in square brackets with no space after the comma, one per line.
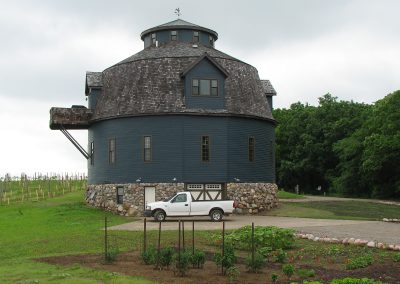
[368,230]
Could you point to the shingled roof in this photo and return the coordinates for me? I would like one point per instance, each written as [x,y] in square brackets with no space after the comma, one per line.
[268,88]
[150,83]
[93,80]
[178,24]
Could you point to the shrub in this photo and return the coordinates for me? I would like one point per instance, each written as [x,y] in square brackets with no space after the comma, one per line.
[359,262]
[257,264]
[166,255]
[396,257]
[355,281]
[274,277]
[233,274]
[229,258]
[270,236]
[149,256]
[305,273]
[198,258]
[288,270]
[112,254]
[312,282]
[182,262]
[280,256]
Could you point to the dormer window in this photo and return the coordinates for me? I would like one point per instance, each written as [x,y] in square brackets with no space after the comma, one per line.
[196,37]
[153,38]
[204,87]
[174,35]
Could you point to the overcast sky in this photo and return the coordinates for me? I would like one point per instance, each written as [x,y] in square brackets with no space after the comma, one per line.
[306,48]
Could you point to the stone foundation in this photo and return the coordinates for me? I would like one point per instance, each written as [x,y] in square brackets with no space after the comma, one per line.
[252,197]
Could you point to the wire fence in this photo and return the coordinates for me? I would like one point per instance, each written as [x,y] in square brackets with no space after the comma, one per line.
[39,186]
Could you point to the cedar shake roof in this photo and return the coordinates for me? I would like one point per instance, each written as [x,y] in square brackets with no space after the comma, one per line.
[268,88]
[93,80]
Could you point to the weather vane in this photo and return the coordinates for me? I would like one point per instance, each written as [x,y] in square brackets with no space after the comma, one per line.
[178,12]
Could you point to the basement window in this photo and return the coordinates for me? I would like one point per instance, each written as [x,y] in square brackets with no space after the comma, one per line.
[120,195]
[174,35]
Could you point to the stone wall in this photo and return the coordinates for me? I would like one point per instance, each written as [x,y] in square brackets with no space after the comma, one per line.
[252,197]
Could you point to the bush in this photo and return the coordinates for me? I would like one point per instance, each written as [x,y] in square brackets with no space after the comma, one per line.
[359,262]
[112,254]
[233,274]
[229,258]
[288,270]
[396,257]
[198,259]
[280,256]
[149,256]
[182,262]
[312,282]
[270,236]
[274,277]
[355,281]
[166,255]
[257,264]
[305,273]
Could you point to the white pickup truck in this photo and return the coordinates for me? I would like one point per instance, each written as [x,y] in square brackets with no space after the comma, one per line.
[182,204]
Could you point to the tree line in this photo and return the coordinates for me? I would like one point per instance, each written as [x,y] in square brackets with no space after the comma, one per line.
[340,147]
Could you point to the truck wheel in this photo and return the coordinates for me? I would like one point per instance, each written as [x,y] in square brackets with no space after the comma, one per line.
[159,216]
[216,215]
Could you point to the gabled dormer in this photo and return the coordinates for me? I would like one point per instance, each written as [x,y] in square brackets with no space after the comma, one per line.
[93,86]
[204,82]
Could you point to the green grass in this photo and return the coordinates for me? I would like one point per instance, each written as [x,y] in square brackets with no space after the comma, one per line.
[288,195]
[342,210]
[61,225]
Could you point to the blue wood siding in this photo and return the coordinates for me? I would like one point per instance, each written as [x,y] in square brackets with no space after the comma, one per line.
[205,70]
[176,149]
[183,36]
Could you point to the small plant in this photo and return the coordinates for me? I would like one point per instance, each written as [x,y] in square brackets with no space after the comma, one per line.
[166,255]
[257,264]
[288,270]
[274,277]
[112,254]
[305,273]
[229,258]
[349,280]
[182,263]
[312,282]
[359,262]
[396,257]
[198,259]
[280,256]
[233,274]
[149,256]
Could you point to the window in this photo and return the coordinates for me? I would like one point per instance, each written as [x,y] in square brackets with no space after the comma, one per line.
[92,153]
[174,35]
[251,149]
[180,198]
[196,37]
[211,40]
[120,195]
[153,38]
[147,149]
[205,148]
[204,87]
[111,151]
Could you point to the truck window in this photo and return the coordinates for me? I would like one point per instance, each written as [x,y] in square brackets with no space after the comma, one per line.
[180,198]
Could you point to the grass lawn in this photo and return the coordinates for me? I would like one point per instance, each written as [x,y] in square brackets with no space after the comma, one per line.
[61,225]
[288,195]
[345,210]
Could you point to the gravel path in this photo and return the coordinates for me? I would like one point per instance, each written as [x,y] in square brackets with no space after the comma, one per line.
[367,230]
[313,198]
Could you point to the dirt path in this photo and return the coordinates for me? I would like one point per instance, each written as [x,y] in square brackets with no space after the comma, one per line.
[367,230]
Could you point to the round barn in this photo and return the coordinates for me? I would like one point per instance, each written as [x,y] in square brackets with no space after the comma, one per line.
[179,115]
